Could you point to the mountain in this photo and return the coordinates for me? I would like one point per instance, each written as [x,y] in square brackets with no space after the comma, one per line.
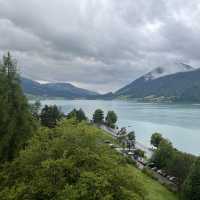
[167,70]
[64,90]
[107,96]
[174,83]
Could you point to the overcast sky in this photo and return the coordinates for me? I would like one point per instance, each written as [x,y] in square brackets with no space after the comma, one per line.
[99,44]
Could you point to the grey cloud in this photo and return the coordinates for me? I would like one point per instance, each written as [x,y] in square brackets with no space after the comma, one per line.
[99,44]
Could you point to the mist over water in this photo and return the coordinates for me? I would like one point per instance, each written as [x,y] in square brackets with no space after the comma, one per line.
[180,123]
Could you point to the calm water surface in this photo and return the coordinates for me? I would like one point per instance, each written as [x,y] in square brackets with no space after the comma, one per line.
[178,122]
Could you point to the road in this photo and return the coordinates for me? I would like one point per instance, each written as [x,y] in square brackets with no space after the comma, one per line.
[138,145]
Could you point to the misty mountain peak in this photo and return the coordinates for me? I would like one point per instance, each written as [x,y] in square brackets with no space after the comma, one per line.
[167,70]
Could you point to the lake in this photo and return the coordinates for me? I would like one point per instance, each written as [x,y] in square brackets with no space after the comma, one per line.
[180,123]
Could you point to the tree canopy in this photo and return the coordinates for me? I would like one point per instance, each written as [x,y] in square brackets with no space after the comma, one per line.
[156,138]
[111,118]
[77,114]
[174,162]
[16,122]
[191,187]
[50,115]
[69,162]
[98,116]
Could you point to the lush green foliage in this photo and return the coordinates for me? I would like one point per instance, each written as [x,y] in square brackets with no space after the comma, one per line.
[156,138]
[98,116]
[163,154]
[180,166]
[69,162]
[111,118]
[50,115]
[79,115]
[191,187]
[16,123]
[174,162]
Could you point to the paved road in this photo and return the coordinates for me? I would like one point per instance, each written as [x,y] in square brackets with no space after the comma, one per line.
[138,145]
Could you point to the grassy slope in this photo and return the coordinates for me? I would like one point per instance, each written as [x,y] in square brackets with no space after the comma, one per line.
[155,190]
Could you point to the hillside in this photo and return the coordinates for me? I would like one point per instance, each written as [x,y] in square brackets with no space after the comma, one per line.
[65,90]
[180,86]
[72,161]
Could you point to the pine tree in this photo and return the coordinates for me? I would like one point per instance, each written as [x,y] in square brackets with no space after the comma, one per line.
[16,123]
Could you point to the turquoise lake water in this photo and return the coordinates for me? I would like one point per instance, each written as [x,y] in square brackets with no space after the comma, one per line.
[178,122]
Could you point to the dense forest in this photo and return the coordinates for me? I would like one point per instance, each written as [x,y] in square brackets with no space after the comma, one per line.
[47,155]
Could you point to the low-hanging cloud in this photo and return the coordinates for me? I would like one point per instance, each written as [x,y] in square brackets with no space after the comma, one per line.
[98,44]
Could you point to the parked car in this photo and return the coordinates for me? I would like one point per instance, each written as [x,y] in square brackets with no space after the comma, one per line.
[164,174]
[168,177]
[173,179]
[154,168]
[151,165]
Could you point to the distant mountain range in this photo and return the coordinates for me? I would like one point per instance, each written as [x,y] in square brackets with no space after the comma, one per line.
[49,90]
[179,82]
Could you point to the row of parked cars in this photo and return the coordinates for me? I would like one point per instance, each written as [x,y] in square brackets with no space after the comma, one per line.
[162,173]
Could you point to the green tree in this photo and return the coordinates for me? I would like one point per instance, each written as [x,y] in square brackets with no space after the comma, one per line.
[174,162]
[111,118]
[50,115]
[156,138]
[180,165]
[72,114]
[35,109]
[131,140]
[164,154]
[98,116]
[191,187]
[79,115]
[16,122]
